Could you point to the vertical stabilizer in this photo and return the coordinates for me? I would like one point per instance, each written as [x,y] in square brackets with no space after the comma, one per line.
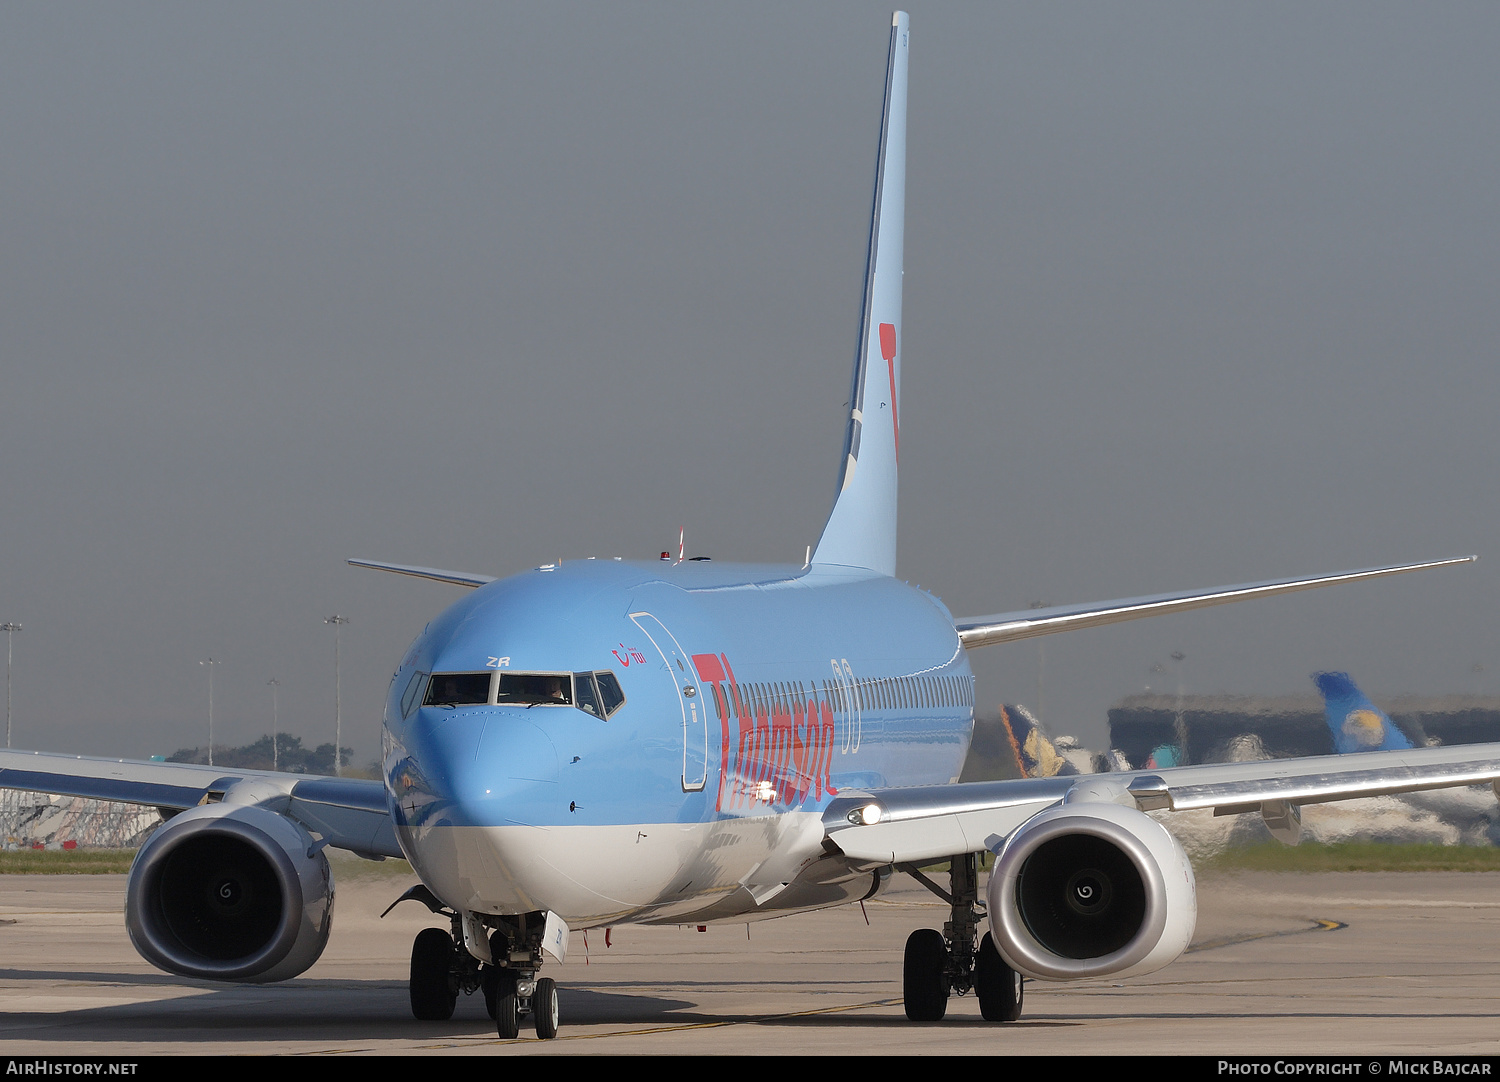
[861,530]
[1355,722]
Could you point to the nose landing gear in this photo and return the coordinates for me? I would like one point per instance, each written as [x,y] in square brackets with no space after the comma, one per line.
[442,967]
[520,995]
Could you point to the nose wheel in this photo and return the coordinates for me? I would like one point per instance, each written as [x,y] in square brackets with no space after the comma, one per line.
[508,1016]
[544,1008]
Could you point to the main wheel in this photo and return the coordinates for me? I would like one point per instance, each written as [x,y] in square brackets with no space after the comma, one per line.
[997,985]
[432,987]
[508,1015]
[544,1008]
[923,985]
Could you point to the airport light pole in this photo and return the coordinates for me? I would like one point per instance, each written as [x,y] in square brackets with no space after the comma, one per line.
[275,720]
[9,630]
[1180,727]
[210,663]
[1041,670]
[338,714]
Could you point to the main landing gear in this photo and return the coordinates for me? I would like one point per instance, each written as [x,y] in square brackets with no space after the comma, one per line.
[940,964]
[441,968]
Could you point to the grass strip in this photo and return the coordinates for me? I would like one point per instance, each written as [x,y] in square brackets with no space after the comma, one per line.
[346,866]
[1261,857]
[1354,857]
[65,861]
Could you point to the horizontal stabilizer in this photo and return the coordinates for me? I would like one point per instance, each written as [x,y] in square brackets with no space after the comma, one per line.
[458,578]
[1028,623]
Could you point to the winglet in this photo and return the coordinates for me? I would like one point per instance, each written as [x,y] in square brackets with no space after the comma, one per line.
[861,529]
[1356,723]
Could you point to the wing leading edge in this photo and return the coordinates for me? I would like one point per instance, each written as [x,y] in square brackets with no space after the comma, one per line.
[929,823]
[457,578]
[1011,626]
[347,813]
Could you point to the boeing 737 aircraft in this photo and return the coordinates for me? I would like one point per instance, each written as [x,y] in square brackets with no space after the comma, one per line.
[598,742]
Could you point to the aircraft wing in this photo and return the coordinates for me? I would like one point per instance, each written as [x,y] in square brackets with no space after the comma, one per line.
[928,823]
[348,813]
[458,578]
[1028,623]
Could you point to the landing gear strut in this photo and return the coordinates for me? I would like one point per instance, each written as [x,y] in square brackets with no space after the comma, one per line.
[940,964]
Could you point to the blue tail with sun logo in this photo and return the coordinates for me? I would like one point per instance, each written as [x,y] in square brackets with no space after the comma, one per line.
[1356,723]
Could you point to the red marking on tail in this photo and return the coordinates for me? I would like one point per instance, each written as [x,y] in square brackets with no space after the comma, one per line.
[888,351]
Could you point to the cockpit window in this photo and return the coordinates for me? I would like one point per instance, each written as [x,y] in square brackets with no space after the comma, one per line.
[596,693]
[413,689]
[611,698]
[584,694]
[458,689]
[534,689]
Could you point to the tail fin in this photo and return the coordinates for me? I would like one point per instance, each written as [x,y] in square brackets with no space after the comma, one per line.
[1356,723]
[861,530]
[1036,754]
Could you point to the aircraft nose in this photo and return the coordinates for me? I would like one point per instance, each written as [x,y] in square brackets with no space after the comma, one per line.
[484,767]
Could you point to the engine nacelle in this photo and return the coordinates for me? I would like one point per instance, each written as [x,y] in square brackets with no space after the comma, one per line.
[230,893]
[1088,890]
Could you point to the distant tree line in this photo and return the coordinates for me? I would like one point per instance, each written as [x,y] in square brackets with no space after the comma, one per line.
[291,756]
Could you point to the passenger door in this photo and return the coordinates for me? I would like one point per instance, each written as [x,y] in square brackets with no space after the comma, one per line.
[685,684]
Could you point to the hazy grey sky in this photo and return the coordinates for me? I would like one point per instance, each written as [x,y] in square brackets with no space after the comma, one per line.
[1195,294]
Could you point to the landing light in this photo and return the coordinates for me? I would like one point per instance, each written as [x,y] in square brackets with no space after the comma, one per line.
[867,816]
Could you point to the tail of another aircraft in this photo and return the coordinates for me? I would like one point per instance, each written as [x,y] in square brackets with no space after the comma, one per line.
[861,530]
[1035,753]
[1356,723]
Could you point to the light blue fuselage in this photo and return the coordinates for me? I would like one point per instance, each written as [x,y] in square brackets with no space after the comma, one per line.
[750,692]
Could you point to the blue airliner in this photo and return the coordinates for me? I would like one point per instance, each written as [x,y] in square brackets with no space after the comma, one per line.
[597,742]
